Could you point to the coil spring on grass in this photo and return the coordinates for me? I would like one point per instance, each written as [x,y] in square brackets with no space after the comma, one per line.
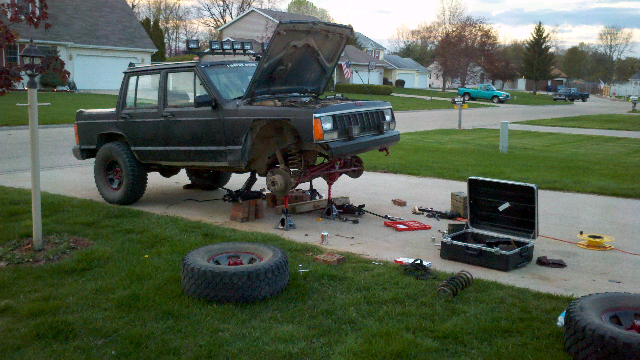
[454,284]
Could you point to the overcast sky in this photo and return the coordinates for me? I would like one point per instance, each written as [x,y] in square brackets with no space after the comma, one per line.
[577,20]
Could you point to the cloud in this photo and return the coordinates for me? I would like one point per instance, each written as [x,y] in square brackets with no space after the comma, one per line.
[599,16]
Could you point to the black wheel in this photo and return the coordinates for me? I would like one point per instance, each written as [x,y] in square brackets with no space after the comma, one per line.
[603,326]
[495,99]
[584,99]
[119,176]
[466,96]
[208,179]
[235,272]
[279,181]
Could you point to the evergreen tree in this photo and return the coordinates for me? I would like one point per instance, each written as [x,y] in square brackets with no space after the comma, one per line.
[146,24]
[537,58]
[157,36]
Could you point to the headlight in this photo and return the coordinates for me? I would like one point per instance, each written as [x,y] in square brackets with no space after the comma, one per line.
[387,115]
[327,123]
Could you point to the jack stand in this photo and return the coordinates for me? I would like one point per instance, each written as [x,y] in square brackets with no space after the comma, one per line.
[285,222]
[330,212]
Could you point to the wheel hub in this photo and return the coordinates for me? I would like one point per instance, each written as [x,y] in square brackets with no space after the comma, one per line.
[235,259]
[624,319]
[113,175]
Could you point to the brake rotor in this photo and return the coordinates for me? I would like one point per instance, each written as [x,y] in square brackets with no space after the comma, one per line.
[595,242]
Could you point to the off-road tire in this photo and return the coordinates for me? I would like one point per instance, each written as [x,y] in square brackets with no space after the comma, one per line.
[203,279]
[119,176]
[588,336]
[208,179]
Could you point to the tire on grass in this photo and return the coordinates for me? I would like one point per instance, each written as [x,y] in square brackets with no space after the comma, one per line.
[601,326]
[235,272]
[119,176]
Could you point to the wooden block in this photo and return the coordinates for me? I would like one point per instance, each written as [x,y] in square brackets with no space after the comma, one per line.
[271,199]
[259,209]
[399,202]
[329,258]
[459,204]
[252,210]
[239,219]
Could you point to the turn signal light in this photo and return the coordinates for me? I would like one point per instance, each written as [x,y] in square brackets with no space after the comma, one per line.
[318,133]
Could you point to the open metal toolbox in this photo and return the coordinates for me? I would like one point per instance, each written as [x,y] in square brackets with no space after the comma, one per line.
[503,222]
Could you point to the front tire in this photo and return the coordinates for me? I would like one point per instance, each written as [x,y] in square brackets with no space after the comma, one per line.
[495,99]
[235,272]
[603,327]
[119,176]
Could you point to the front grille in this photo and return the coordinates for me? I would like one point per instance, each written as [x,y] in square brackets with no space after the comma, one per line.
[367,121]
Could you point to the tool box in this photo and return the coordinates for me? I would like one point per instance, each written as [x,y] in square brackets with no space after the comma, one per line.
[503,222]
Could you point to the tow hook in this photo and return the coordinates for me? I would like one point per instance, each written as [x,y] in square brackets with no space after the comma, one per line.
[385,150]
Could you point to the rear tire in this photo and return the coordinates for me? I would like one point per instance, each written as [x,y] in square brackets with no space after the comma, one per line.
[119,176]
[466,96]
[208,179]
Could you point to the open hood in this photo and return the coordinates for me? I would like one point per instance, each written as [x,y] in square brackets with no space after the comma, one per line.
[300,58]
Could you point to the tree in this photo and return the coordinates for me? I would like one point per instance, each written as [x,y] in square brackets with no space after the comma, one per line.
[614,42]
[501,66]
[537,59]
[575,62]
[215,13]
[627,67]
[305,7]
[157,36]
[12,14]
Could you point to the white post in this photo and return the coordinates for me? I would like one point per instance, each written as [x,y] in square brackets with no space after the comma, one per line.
[36,208]
[504,136]
[459,106]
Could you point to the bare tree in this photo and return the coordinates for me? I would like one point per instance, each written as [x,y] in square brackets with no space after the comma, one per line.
[450,12]
[215,13]
[305,7]
[614,42]
[135,6]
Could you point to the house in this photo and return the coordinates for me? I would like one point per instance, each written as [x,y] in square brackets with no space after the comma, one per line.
[97,39]
[414,75]
[631,87]
[258,24]
[475,75]
[359,62]
[371,47]
[522,84]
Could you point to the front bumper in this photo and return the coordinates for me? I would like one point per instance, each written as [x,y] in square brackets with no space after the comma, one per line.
[346,148]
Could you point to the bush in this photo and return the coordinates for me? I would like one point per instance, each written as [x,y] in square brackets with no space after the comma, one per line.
[400,83]
[386,81]
[53,74]
[362,89]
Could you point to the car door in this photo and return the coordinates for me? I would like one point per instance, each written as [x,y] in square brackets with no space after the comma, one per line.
[140,118]
[194,135]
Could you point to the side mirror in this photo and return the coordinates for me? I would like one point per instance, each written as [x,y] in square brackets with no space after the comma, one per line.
[205,101]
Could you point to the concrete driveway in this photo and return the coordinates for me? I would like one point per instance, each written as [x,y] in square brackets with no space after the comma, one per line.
[562,215]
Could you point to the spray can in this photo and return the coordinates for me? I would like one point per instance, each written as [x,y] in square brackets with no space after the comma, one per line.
[324,238]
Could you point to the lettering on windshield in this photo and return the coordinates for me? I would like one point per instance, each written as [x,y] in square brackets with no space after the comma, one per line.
[242,65]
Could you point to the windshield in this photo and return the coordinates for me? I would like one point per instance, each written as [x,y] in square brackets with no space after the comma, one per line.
[232,79]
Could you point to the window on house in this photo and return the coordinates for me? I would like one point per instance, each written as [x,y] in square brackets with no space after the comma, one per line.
[20,7]
[11,54]
[370,52]
[377,54]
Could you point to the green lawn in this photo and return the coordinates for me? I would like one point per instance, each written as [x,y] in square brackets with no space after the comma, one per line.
[606,122]
[62,110]
[578,163]
[401,103]
[121,298]
[517,97]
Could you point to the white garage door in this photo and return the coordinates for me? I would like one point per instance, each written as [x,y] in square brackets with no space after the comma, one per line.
[99,72]
[423,81]
[408,79]
[372,78]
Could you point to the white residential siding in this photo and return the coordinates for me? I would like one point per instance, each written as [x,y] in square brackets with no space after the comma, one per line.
[251,26]
[96,69]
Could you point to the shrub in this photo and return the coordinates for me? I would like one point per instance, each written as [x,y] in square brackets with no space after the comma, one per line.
[386,81]
[362,89]
[400,83]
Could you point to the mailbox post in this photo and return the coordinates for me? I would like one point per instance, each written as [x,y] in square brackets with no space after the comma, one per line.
[459,104]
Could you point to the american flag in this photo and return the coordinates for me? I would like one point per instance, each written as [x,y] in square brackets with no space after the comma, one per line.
[346,69]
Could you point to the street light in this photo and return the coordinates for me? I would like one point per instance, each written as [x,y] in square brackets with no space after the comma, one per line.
[31,57]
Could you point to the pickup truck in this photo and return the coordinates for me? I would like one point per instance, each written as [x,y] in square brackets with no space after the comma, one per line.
[484,91]
[236,116]
[570,94]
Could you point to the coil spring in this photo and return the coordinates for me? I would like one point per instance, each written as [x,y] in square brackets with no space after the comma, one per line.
[294,160]
[454,284]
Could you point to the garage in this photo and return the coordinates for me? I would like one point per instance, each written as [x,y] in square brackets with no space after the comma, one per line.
[372,78]
[100,72]
[408,79]
[423,81]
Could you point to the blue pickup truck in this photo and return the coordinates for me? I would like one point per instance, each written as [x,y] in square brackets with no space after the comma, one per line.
[484,91]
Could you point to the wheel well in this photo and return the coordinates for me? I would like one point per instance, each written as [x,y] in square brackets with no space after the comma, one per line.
[264,139]
[106,138]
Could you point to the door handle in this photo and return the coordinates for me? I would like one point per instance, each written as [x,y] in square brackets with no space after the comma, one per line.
[125,116]
[167,114]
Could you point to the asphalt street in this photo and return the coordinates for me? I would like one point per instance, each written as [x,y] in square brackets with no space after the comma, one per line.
[562,215]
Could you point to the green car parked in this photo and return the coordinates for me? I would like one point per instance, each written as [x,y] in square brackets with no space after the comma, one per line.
[484,91]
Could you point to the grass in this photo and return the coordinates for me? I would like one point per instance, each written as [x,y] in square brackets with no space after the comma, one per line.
[400,103]
[605,122]
[61,111]
[578,163]
[121,298]
[517,97]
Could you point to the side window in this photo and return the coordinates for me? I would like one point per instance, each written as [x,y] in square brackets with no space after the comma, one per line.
[142,91]
[180,89]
